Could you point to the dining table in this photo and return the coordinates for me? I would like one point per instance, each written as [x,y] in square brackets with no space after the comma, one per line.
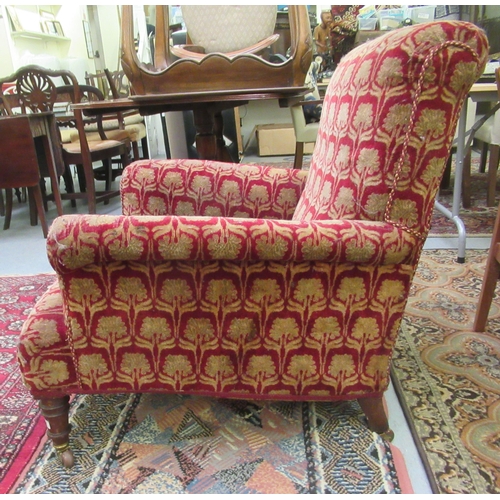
[207,110]
[479,92]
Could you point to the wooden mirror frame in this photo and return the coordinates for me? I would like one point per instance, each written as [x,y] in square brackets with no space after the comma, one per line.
[215,71]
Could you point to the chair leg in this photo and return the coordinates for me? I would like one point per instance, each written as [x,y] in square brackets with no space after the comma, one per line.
[299,155]
[44,194]
[2,204]
[445,180]
[373,408]
[37,195]
[68,182]
[145,149]
[108,166]
[135,150]
[490,279]
[81,178]
[8,208]
[466,181]
[56,414]
[484,155]
[492,174]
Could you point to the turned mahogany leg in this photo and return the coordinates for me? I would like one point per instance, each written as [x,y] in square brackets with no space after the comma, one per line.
[56,413]
[377,419]
[299,155]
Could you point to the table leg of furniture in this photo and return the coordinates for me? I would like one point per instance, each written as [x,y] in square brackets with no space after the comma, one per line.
[206,141]
[209,130]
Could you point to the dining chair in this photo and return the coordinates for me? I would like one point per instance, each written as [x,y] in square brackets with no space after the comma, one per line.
[492,271]
[490,279]
[487,133]
[114,85]
[38,92]
[19,165]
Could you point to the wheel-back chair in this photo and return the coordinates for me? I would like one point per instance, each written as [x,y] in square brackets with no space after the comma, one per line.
[38,91]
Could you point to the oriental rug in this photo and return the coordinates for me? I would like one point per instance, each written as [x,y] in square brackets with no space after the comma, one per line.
[448,377]
[181,444]
[21,427]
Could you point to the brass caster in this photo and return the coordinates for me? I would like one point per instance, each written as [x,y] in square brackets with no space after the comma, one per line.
[67,459]
[388,435]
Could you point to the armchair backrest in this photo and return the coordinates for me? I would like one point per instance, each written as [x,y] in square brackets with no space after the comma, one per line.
[388,121]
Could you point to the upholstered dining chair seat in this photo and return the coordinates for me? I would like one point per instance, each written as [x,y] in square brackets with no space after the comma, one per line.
[134,132]
[247,281]
[94,145]
[110,124]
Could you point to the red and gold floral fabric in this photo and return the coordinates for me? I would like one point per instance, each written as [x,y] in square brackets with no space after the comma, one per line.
[388,119]
[257,282]
[209,188]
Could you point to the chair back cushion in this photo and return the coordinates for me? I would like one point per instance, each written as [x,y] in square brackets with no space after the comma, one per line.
[225,28]
[389,116]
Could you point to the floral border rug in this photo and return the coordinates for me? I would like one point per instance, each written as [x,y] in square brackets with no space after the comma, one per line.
[448,377]
[21,427]
[181,444]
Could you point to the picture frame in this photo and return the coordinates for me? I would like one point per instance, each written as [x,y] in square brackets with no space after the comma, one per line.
[50,27]
[88,39]
[14,18]
[59,28]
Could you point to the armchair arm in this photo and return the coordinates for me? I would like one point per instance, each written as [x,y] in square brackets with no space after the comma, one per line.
[87,241]
[209,188]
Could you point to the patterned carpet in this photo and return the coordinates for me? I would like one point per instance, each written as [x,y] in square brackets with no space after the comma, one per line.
[448,378]
[478,219]
[181,444]
[21,427]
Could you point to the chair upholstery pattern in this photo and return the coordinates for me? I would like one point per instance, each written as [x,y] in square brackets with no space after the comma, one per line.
[257,282]
[386,126]
[187,187]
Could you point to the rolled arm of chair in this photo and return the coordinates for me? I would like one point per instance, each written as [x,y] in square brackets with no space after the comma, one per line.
[209,188]
[80,241]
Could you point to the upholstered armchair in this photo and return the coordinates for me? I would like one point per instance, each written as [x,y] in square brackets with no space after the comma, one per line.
[244,281]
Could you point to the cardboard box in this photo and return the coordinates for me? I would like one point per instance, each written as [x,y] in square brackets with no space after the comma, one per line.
[278,139]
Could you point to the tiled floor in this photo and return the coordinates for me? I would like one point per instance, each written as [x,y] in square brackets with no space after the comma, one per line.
[22,251]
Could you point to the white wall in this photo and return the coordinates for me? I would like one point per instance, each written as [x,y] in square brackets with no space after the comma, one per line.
[109,20]
[69,54]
